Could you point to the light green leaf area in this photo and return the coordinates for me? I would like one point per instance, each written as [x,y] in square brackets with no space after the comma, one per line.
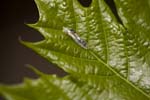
[116,65]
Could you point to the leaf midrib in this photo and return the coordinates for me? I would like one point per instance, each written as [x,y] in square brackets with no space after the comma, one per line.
[117,74]
[110,68]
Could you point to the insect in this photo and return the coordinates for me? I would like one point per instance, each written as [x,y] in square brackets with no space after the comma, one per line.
[72,33]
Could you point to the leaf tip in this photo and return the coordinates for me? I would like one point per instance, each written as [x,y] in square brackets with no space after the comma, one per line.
[22,41]
[34,69]
[31,25]
[25,43]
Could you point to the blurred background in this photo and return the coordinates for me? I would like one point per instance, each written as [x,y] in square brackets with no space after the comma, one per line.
[14,56]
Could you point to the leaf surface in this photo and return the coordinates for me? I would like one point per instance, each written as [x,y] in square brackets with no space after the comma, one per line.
[114,67]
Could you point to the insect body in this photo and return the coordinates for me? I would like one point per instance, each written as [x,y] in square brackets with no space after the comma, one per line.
[75,37]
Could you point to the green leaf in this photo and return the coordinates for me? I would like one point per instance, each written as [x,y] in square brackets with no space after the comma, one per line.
[46,88]
[116,65]
[136,17]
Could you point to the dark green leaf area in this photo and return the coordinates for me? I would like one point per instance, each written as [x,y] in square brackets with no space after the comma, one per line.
[115,65]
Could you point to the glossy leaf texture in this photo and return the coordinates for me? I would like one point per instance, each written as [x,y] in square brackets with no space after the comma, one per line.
[116,65]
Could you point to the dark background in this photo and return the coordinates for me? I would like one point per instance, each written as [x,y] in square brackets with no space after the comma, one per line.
[14,15]
[13,56]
